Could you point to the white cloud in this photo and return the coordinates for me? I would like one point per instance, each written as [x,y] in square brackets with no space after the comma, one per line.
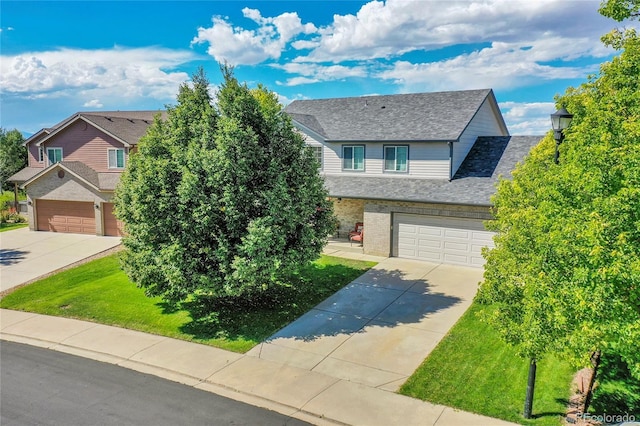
[94,74]
[239,46]
[502,65]
[93,103]
[528,42]
[527,118]
[387,29]
[314,73]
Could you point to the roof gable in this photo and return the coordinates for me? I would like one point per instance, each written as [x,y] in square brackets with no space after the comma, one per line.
[126,127]
[438,116]
[76,168]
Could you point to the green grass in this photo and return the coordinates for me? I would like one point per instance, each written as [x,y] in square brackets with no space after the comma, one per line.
[99,291]
[9,226]
[473,370]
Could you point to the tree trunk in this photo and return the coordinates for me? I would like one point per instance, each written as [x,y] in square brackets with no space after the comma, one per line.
[15,197]
[528,401]
[595,362]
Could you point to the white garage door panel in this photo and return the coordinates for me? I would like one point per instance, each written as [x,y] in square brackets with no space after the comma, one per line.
[439,239]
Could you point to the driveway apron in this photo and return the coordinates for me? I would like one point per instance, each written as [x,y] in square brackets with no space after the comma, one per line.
[26,255]
[378,329]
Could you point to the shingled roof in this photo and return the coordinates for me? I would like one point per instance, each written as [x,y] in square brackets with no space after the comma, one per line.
[99,180]
[473,184]
[437,116]
[126,126]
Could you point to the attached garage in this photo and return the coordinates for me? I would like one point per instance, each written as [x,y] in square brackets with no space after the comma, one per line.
[66,216]
[112,226]
[449,240]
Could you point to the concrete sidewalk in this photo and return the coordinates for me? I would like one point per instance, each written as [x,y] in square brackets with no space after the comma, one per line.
[307,395]
[27,255]
[341,363]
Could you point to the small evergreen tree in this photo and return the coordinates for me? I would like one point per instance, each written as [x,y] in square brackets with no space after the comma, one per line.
[221,200]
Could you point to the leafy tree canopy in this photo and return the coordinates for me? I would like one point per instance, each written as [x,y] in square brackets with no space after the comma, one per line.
[565,273]
[13,155]
[222,198]
[620,9]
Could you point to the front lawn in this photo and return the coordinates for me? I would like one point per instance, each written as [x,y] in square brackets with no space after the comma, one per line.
[10,226]
[99,291]
[473,370]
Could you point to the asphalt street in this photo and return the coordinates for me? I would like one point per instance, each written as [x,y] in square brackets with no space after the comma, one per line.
[44,387]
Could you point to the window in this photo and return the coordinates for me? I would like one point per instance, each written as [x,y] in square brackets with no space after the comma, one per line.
[353,157]
[40,154]
[395,158]
[54,155]
[116,158]
[317,153]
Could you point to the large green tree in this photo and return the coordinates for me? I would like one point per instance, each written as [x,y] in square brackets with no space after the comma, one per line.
[222,199]
[565,274]
[13,155]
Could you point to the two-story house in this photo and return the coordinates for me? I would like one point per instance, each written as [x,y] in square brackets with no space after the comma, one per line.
[418,170]
[73,168]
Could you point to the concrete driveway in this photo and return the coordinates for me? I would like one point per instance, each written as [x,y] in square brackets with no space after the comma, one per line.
[26,255]
[377,330]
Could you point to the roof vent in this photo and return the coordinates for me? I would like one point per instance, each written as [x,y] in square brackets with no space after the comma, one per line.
[382,107]
[108,118]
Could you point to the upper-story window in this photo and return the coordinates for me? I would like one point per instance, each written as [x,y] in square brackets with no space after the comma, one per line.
[395,158]
[116,158]
[54,155]
[40,154]
[353,157]
[317,153]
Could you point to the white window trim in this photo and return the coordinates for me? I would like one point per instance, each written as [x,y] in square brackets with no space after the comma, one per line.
[364,157]
[313,150]
[52,149]
[41,155]
[384,159]
[124,161]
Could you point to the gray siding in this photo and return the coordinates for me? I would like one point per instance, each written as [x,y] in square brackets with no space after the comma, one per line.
[484,123]
[426,160]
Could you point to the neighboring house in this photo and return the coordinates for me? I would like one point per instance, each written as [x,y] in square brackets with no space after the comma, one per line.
[74,168]
[417,169]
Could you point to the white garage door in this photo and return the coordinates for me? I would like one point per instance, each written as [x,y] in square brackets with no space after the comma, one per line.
[440,239]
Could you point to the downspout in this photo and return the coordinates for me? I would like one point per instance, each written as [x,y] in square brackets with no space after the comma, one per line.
[450,160]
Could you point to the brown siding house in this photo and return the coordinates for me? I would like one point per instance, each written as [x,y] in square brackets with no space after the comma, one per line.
[74,167]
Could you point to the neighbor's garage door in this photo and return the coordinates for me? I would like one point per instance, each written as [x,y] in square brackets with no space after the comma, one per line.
[66,216]
[112,226]
[439,239]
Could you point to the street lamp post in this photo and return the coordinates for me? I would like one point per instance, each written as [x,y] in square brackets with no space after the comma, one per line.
[560,120]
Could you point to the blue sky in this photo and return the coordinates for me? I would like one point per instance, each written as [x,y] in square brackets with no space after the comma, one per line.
[57,58]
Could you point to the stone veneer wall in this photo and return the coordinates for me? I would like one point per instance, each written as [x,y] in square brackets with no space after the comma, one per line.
[378,216]
[348,212]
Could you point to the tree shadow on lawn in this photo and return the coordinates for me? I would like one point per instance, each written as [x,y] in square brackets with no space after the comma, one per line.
[258,316]
[368,298]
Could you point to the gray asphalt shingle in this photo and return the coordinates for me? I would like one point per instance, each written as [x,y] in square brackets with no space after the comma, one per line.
[407,117]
